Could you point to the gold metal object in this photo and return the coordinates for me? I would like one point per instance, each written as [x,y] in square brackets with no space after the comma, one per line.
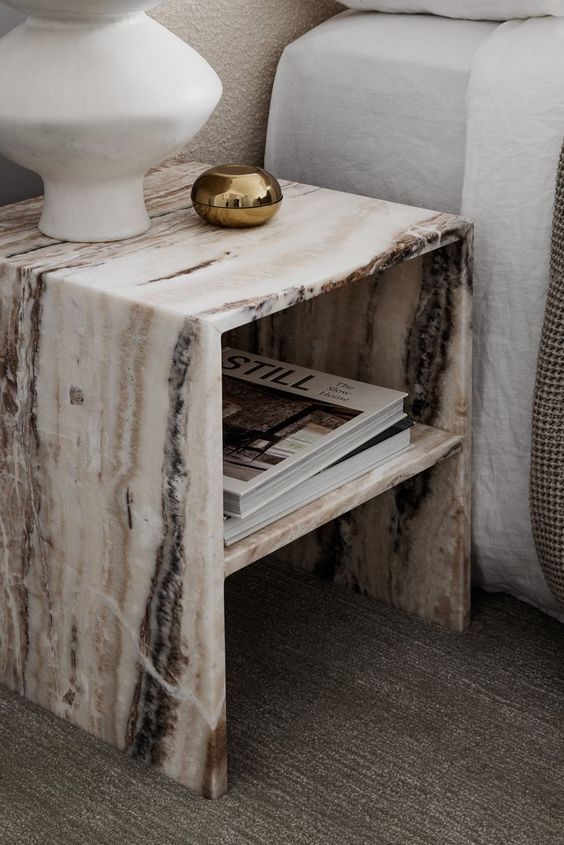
[236,195]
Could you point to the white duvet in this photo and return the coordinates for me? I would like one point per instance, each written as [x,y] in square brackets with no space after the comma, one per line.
[480,10]
[455,115]
[514,136]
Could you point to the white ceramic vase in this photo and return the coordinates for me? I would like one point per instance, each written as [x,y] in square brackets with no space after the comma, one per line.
[92,94]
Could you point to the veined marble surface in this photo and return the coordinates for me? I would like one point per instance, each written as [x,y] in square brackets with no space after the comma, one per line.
[111,560]
[320,240]
[407,328]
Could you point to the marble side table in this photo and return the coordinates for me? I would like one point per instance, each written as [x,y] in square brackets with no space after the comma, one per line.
[112,558]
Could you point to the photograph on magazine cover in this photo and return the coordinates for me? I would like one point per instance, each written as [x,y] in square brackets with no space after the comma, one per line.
[263,426]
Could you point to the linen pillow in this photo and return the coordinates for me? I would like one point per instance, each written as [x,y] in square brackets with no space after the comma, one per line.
[479,10]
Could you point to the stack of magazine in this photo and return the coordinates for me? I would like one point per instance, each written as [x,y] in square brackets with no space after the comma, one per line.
[291,435]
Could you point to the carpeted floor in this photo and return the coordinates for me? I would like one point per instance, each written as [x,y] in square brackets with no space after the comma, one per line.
[349,723]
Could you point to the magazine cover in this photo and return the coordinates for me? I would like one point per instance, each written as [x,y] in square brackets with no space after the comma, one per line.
[263,426]
[275,414]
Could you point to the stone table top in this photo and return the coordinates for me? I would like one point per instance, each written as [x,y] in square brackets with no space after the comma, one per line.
[320,240]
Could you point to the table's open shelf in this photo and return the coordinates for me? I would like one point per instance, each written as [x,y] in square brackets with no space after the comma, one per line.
[429,446]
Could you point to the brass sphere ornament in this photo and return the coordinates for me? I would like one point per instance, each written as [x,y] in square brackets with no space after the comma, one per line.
[236,196]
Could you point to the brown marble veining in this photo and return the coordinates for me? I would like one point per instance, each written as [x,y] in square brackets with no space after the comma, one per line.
[112,563]
[410,546]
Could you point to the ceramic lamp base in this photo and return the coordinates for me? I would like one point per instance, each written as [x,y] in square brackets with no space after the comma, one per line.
[117,95]
[107,211]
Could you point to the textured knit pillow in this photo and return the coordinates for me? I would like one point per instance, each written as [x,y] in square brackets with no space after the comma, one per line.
[479,10]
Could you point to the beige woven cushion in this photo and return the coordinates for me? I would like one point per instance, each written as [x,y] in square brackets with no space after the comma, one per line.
[547,458]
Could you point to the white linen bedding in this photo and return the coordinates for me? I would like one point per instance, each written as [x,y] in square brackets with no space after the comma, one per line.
[480,10]
[377,104]
[514,136]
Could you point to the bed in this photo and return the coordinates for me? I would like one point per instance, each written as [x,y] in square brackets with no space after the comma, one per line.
[377,104]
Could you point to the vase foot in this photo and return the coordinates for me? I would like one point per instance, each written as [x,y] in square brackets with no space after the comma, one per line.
[94,212]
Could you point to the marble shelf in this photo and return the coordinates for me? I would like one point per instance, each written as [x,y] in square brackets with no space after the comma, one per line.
[429,446]
[112,563]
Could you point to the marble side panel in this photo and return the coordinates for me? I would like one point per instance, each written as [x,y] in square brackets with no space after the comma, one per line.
[111,612]
[407,328]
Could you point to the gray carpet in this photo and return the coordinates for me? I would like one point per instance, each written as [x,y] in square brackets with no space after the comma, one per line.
[349,723]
